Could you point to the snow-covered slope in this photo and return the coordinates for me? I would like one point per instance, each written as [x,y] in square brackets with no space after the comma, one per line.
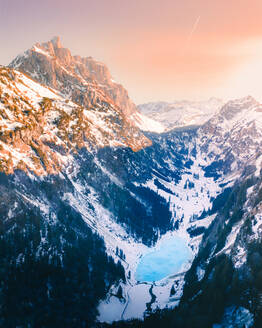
[146,123]
[223,276]
[232,138]
[35,119]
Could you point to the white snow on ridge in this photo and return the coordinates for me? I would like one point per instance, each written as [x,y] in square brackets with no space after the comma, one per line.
[41,51]
[145,123]
[34,91]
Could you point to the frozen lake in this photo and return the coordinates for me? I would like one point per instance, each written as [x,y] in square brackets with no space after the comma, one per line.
[162,262]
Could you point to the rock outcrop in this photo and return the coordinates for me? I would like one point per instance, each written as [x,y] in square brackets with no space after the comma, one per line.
[82,79]
[40,129]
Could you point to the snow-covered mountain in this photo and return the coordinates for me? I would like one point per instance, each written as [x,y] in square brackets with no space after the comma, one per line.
[181,113]
[35,119]
[86,193]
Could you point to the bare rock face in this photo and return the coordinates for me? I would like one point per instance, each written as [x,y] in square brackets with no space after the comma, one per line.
[81,79]
[40,129]
[72,104]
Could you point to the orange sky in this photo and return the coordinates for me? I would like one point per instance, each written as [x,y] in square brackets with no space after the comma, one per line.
[159,50]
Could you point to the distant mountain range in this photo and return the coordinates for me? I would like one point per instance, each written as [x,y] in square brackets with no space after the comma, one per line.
[181,113]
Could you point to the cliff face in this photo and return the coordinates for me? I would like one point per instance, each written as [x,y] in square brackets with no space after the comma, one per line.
[40,130]
[81,79]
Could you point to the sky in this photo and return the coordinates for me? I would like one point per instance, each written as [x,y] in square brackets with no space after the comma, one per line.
[158,49]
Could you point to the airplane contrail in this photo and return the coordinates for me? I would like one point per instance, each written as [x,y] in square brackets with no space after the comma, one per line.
[193,30]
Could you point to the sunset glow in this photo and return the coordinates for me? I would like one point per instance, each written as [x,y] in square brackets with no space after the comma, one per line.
[159,50]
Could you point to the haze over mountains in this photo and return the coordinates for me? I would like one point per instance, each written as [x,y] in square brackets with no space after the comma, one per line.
[90,184]
[182,113]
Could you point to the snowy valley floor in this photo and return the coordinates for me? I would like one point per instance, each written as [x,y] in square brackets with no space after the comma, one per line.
[140,297]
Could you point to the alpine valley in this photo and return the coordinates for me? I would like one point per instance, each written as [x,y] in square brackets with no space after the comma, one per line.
[114,215]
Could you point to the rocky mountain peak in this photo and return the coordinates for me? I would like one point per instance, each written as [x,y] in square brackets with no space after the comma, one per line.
[53,50]
[56,41]
[86,80]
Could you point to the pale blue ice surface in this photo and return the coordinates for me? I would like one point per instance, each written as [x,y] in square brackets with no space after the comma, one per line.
[165,261]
